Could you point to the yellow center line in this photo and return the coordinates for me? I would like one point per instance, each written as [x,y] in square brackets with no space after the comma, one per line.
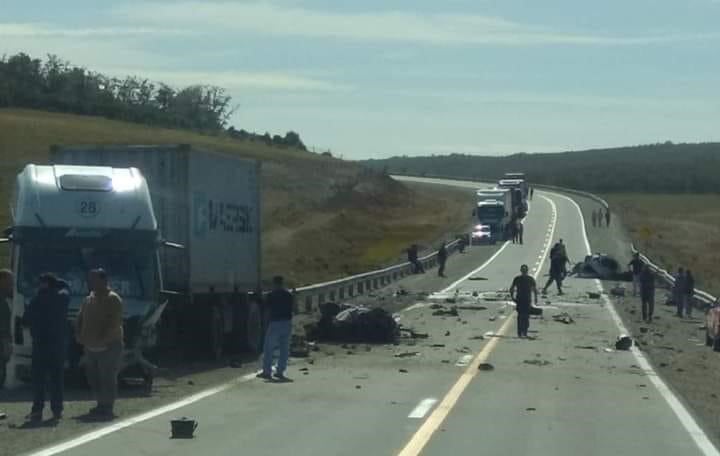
[432,424]
[423,435]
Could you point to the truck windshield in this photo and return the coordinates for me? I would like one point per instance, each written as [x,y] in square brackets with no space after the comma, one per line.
[491,212]
[131,274]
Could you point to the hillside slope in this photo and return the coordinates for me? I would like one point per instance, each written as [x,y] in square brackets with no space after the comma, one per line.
[660,168]
[322,217]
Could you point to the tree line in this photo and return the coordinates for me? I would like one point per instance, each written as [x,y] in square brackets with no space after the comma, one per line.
[656,168]
[57,85]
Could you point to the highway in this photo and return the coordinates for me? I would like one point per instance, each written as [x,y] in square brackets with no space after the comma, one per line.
[564,393]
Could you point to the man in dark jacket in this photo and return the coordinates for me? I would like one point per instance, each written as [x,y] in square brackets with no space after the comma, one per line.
[689,292]
[557,264]
[47,318]
[280,307]
[442,259]
[6,289]
[646,280]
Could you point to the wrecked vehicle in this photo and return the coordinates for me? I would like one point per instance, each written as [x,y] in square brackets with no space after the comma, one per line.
[600,266]
[344,323]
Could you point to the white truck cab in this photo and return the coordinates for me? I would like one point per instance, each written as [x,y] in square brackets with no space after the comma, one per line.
[70,219]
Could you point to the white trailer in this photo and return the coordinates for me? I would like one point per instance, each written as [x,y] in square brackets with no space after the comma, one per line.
[115,207]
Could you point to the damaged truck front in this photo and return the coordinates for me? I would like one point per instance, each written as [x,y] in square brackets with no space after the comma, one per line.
[112,207]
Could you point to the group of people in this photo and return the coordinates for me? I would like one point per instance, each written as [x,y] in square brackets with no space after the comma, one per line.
[599,216]
[644,281]
[98,329]
[442,256]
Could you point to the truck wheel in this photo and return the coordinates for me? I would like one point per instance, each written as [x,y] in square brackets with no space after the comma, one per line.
[217,333]
[708,339]
[253,328]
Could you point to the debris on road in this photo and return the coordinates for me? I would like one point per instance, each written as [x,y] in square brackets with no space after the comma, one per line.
[299,347]
[486,367]
[618,291]
[593,295]
[586,347]
[477,338]
[444,311]
[353,324]
[357,387]
[477,278]
[530,409]
[623,342]
[403,371]
[183,428]
[471,307]
[407,354]
[537,362]
[493,318]
[447,333]
[437,345]
[563,318]
[600,266]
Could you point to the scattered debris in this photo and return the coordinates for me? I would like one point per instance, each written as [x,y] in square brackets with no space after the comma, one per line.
[642,385]
[445,361]
[663,364]
[443,311]
[593,295]
[447,333]
[608,350]
[617,291]
[403,371]
[563,318]
[644,330]
[190,382]
[530,409]
[486,367]
[586,347]
[311,361]
[645,398]
[562,358]
[3,415]
[299,347]
[471,307]
[477,278]
[353,324]
[477,338]
[537,362]
[537,311]
[183,428]
[357,387]
[680,369]
[437,345]
[493,318]
[407,354]
[623,342]
[304,369]
[600,266]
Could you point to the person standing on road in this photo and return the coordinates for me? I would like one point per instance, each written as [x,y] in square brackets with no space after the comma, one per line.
[689,292]
[100,332]
[679,292]
[607,217]
[594,218]
[646,281]
[557,262]
[6,291]
[520,229]
[47,318]
[280,306]
[442,256]
[522,290]
[636,266]
[532,192]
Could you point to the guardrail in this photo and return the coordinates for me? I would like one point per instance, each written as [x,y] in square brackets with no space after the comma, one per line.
[702,296]
[309,297]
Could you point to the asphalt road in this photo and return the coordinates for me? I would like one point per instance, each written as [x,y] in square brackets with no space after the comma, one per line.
[564,393]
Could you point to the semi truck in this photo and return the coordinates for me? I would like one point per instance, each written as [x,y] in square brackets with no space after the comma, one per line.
[519,200]
[176,229]
[494,208]
[524,186]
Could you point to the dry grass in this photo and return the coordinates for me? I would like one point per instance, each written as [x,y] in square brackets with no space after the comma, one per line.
[322,218]
[676,230]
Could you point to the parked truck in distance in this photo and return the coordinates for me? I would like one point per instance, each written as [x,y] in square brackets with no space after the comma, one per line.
[519,200]
[118,207]
[494,209]
[524,186]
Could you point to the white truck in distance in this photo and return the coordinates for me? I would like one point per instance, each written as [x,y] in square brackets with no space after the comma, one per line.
[112,207]
[494,208]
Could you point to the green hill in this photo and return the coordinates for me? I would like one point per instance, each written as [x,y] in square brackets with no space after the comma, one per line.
[659,168]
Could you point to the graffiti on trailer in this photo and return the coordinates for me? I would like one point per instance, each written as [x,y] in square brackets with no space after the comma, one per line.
[213,215]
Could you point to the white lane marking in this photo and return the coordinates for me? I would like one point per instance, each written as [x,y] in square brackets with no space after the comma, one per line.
[418,305]
[475,271]
[687,420]
[464,360]
[423,408]
[102,432]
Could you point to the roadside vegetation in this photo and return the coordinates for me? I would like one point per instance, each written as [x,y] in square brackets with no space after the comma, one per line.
[323,218]
[656,168]
[675,230]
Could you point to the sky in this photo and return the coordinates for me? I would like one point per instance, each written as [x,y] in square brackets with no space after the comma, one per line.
[373,79]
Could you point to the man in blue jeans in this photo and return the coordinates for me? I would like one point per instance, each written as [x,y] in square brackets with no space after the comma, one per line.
[280,306]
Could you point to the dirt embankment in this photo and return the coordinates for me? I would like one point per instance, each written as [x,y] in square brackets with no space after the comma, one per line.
[674,346]
[323,218]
